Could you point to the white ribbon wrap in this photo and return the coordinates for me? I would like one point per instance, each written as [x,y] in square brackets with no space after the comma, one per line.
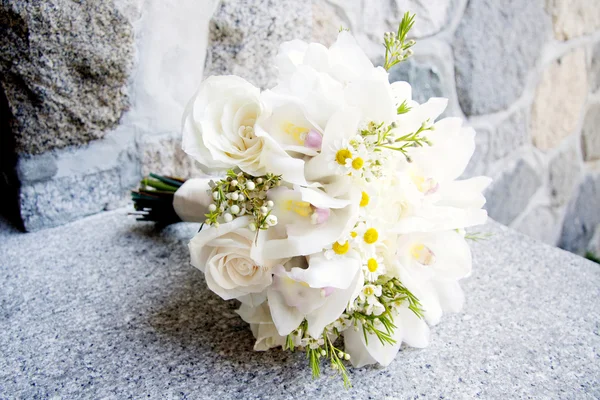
[192,199]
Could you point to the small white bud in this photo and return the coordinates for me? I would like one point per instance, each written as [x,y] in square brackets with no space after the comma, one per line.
[234,183]
[264,210]
[234,196]
[323,353]
[340,354]
[259,180]
[207,221]
[235,209]
[270,204]
[216,195]
[228,217]
[250,185]
[272,220]
[241,197]
[221,208]
[252,226]
[212,208]
[346,356]
[216,224]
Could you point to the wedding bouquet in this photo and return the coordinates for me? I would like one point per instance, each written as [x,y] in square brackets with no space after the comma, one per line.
[333,212]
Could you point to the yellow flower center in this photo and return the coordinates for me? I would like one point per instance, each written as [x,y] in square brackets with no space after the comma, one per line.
[302,208]
[372,265]
[341,248]
[342,155]
[422,254]
[368,290]
[353,234]
[357,163]
[295,131]
[364,200]
[371,235]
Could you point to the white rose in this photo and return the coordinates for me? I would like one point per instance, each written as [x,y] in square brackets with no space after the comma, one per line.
[232,261]
[218,125]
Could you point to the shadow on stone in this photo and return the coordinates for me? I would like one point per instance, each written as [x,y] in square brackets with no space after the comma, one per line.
[9,184]
[196,319]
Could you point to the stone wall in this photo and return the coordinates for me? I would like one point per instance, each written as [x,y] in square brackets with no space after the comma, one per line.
[93,94]
[87,121]
[526,75]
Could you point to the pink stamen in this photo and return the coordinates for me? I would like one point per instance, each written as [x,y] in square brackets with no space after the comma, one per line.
[313,140]
[322,214]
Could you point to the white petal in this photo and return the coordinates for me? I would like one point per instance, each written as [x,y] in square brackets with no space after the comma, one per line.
[355,346]
[452,297]
[415,331]
[332,309]
[254,315]
[321,272]
[402,91]
[463,194]
[285,318]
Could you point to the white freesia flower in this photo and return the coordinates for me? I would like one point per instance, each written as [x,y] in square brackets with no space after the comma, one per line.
[344,60]
[319,293]
[309,220]
[445,203]
[232,261]
[327,79]
[430,266]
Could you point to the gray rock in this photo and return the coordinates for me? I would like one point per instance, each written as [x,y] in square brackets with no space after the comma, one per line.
[582,215]
[326,22]
[595,68]
[590,135]
[508,195]
[559,100]
[540,223]
[376,17]
[510,134]
[84,180]
[564,171]
[495,46]
[58,201]
[36,168]
[110,308]
[424,78]
[162,154]
[593,246]
[245,36]
[429,72]
[478,163]
[63,68]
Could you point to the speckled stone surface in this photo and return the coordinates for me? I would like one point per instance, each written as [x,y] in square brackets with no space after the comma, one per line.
[64,66]
[109,308]
[245,36]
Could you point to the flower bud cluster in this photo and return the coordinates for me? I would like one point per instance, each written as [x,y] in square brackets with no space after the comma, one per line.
[241,194]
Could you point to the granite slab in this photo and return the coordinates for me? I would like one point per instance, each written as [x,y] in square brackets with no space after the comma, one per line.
[107,307]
